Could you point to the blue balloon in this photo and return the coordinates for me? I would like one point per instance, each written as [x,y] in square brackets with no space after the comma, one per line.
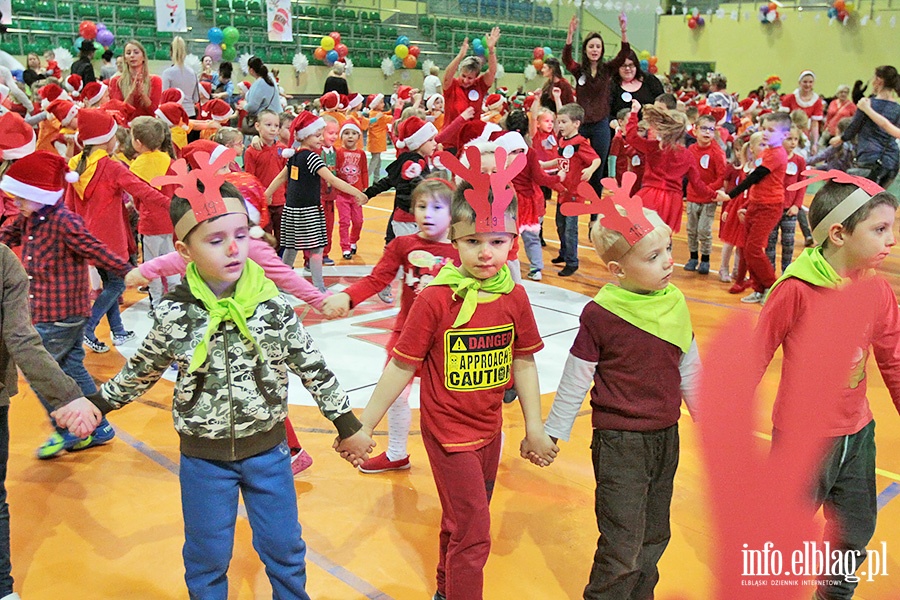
[19,75]
[332,55]
[548,51]
[645,64]
[479,51]
[215,35]
[832,13]
[78,41]
[402,41]
[398,62]
[476,44]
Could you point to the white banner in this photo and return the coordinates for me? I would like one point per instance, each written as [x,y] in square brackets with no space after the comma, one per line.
[6,9]
[170,16]
[279,21]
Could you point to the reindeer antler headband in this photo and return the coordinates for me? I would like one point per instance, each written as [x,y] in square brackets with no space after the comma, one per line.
[846,207]
[205,204]
[633,225]
[490,215]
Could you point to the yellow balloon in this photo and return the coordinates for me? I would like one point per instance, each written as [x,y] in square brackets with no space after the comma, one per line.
[328,43]
[224,46]
[848,6]
[402,51]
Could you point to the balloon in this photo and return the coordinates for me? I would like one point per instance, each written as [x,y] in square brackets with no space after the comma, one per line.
[401,51]
[653,69]
[538,64]
[771,16]
[410,62]
[848,8]
[342,50]
[398,63]
[652,60]
[101,26]
[231,35]
[80,39]
[480,50]
[476,43]
[214,51]
[229,53]
[645,65]
[840,5]
[764,9]
[842,15]
[695,11]
[331,55]
[106,37]
[692,23]
[402,41]
[414,51]
[832,13]
[773,6]
[327,43]
[336,37]
[319,53]
[87,30]
[701,21]
[644,55]
[538,53]
[215,36]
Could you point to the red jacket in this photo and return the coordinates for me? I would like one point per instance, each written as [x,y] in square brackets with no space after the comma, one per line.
[710,162]
[134,99]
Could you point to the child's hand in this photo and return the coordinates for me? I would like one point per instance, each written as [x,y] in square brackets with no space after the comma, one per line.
[722,197]
[587,173]
[256,143]
[742,215]
[468,114]
[337,306]
[539,449]
[356,448]
[635,106]
[80,417]
[792,211]
[361,198]
[135,279]
[724,216]
[557,93]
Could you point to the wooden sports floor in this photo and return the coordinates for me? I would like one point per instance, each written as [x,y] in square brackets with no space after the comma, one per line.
[106,523]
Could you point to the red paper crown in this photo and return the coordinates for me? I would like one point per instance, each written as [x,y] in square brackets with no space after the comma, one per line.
[846,207]
[633,225]
[816,175]
[489,215]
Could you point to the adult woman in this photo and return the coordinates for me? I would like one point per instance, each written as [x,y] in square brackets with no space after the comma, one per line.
[876,148]
[34,72]
[592,77]
[182,77]
[805,99]
[207,74]
[136,86]
[336,80]
[84,66]
[839,108]
[550,99]
[631,83]
[470,88]
[263,93]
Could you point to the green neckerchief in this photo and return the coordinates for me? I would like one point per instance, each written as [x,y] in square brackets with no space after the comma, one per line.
[812,268]
[252,288]
[663,314]
[468,287]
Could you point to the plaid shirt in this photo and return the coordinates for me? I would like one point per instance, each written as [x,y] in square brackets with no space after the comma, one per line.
[56,250]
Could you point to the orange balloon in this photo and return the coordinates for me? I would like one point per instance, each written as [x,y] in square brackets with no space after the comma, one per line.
[839,4]
[319,53]
[538,64]
[652,60]
[773,6]
[410,61]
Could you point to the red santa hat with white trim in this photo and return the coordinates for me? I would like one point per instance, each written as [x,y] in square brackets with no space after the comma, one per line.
[17,138]
[354,100]
[205,91]
[40,177]
[304,125]
[510,141]
[63,110]
[74,84]
[51,92]
[95,127]
[244,87]
[373,99]
[351,124]
[476,130]
[330,101]
[429,104]
[404,92]
[216,109]
[749,104]
[345,101]
[173,115]
[414,132]
[494,102]
[93,93]
[171,95]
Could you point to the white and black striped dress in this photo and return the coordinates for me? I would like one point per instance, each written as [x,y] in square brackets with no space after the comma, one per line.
[303,219]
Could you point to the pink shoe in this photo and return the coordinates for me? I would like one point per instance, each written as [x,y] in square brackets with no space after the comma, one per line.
[380,464]
[300,462]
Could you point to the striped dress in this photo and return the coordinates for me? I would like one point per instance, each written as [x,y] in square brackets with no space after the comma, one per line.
[303,219]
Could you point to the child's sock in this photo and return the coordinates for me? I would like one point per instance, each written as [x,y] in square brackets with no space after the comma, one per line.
[399,420]
[315,268]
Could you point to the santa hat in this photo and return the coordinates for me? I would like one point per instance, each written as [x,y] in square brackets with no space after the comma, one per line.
[17,137]
[353,100]
[205,90]
[305,125]
[749,104]
[93,92]
[330,101]
[95,127]
[512,140]
[351,125]
[171,95]
[216,109]
[719,113]
[173,114]
[429,104]
[51,92]
[40,177]
[63,110]
[74,84]
[476,130]
[414,132]
[494,102]
[189,152]
[244,86]
[503,91]
[122,113]
[345,101]
[528,102]
[4,92]
[404,92]
[374,99]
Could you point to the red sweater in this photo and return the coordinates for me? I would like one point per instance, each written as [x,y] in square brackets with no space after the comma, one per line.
[135,99]
[711,162]
[266,164]
[792,174]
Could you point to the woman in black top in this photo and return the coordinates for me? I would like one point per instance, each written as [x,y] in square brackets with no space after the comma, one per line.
[553,72]
[33,72]
[337,81]
[84,66]
[629,83]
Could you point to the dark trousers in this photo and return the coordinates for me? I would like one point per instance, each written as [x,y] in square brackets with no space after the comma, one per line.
[788,228]
[599,134]
[567,230]
[635,473]
[6,580]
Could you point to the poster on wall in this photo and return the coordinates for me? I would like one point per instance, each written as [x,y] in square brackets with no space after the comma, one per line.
[6,12]
[279,21]
[171,16]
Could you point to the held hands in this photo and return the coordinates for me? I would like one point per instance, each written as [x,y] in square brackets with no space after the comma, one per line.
[539,449]
[361,197]
[80,417]
[337,306]
[135,279]
[836,140]
[356,448]
[865,105]
[722,197]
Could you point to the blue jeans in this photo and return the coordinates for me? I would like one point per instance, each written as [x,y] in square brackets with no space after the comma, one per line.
[107,303]
[6,580]
[567,229]
[62,339]
[209,502]
[599,134]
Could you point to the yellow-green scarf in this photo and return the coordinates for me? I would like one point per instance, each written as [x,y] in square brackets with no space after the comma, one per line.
[663,314]
[467,288]
[90,168]
[252,288]
[812,268]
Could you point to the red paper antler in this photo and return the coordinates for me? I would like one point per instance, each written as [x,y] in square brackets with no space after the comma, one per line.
[815,175]
[208,203]
[633,225]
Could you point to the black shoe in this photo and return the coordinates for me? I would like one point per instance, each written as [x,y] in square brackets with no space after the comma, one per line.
[558,260]
[567,270]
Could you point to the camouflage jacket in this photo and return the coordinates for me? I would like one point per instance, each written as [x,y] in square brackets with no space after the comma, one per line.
[233,405]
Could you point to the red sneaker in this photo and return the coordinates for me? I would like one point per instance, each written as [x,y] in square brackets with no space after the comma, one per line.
[739,287]
[300,462]
[380,464]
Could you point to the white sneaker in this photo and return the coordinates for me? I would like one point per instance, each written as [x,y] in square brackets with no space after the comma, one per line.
[535,276]
[13,596]
[753,298]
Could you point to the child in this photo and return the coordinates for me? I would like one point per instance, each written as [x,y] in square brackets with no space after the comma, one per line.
[97,198]
[626,158]
[379,122]
[577,162]
[95,94]
[303,221]
[434,107]
[56,249]
[150,138]
[764,203]
[230,399]
[176,119]
[640,326]
[329,195]
[701,210]
[218,114]
[476,305]
[732,231]
[793,203]
[351,167]
[421,257]
[233,139]
[854,225]
[267,162]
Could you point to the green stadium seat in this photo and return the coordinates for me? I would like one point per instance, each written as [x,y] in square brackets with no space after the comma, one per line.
[128,13]
[147,14]
[223,4]
[161,54]
[21,7]
[257,21]
[207,14]
[325,11]
[145,32]
[44,8]
[61,27]
[124,32]
[240,20]
[254,6]
[11,47]
[205,3]
[238,5]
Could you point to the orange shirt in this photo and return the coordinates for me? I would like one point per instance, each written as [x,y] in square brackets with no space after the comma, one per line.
[378,128]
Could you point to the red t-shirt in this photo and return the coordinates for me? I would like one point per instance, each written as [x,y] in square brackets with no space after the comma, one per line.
[351,167]
[770,189]
[792,174]
[813,108]
[544,145]
[465,371]
[575,155]
[627,159]
[458,98]
[711,164]
[266,164]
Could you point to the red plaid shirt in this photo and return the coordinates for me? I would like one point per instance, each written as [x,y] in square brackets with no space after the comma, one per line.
[56,250]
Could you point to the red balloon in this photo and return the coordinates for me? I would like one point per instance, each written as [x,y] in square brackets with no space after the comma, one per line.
[538,53]
[692,23]
[414,51]
[842,14]
[342,50]
[319,53]
[87,30]
[410,61]
[653,69]
[336,37]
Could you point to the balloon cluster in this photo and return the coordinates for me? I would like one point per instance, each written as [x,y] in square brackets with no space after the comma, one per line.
[406,55]
[540,55]
[102,37]
[331,49]
[841,10]
[768,13]
[695,19]
[221,43]
[648,62]
[480,47]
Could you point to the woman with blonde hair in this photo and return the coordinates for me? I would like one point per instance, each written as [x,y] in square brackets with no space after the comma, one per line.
[182,77]
[136,86]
